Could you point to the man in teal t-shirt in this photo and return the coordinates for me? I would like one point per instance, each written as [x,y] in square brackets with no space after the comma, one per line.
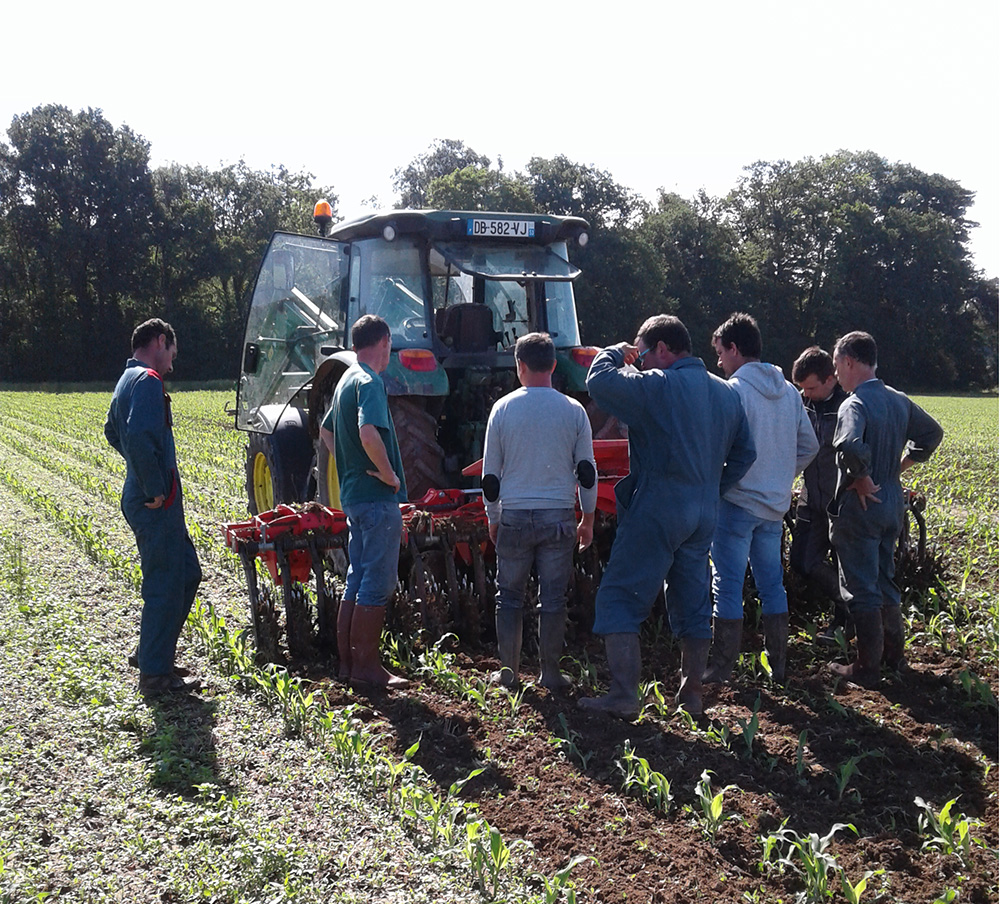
[358,430]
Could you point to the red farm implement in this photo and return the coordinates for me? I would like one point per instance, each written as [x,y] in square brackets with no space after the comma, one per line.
[447,565]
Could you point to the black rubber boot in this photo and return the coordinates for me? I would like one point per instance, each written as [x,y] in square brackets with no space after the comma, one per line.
[776,644]
[366,663]
[694,657]
[551,636]
[510,624]
[893,632]
[345,615]
[625,663]
[727,639]
[866,669]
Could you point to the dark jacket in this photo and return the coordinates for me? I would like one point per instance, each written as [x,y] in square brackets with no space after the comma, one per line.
[820,478]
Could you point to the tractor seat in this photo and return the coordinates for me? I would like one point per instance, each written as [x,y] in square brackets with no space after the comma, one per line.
[467,328]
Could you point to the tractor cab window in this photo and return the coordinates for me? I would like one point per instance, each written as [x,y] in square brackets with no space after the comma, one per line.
[295,309]
[387,279]
[498,278]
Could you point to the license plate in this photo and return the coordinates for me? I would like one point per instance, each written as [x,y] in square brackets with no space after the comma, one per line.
[518,229]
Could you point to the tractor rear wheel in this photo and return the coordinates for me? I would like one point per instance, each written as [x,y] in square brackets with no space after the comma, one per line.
[423,458]
[268,482]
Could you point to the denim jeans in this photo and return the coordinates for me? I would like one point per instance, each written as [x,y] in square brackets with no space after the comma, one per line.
[739,536]
[374,532]
[540,537]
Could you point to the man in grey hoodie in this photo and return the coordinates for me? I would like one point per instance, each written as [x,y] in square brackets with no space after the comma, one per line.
[751,512]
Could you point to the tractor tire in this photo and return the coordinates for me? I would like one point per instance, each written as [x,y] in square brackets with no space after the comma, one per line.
[327,481]
[269,482]
[423,458]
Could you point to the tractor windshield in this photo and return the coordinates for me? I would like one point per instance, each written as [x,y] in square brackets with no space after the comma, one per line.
[296,308]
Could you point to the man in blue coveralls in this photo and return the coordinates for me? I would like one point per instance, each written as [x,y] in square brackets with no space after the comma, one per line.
[140,426]
[880,433]
[688,441]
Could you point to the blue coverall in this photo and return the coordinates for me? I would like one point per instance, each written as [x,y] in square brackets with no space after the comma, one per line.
[140,427]
[689,441]
[876,424]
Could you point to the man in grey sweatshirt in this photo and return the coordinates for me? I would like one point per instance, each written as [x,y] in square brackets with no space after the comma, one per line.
[538,450]
[751,512]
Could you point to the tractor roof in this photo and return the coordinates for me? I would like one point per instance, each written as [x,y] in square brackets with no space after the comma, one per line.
[445,225]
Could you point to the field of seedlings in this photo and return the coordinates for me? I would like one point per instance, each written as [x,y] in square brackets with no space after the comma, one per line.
[282,785]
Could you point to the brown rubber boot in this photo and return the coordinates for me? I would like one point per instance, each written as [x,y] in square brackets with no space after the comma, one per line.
[510,626]
[625,663]
[694,657]
[776,644]
[551,635]
[865,670]
[727,639]
[344,617]
[366,665]
[894,644]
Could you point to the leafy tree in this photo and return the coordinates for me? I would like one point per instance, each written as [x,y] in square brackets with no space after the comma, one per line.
[78,220]
[701,278]
[445,156]
[478,188]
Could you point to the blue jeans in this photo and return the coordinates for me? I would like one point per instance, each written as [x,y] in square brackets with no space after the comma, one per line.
[541,537]
[170,578]
[374,533]
[739,536]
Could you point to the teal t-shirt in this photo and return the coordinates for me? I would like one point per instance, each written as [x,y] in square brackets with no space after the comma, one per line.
[361,399]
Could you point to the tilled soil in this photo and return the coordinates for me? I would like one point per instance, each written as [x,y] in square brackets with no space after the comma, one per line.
[917,736]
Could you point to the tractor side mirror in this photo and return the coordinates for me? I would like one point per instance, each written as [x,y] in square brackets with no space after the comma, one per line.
[251,358]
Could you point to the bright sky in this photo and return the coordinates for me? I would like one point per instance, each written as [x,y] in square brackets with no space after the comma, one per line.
[672,95]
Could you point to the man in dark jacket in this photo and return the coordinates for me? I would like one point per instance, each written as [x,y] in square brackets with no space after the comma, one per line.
[812,555]
[688,441]
[140,427]
[880,433]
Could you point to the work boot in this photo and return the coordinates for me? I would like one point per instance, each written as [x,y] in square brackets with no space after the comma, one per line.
[727,639]
[776,644]
[894,644]
[551,635]
[366,664]
[510,625]
[865,670]
[625,663]
[694,657]
[161,685]
[842,620]
[345,615]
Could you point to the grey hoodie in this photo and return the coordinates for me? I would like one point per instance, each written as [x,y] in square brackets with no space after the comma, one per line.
[785,440]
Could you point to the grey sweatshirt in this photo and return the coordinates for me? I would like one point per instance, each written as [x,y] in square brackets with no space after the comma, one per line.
[535,438]
[785,440]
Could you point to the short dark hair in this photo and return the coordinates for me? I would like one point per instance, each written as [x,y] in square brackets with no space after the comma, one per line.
[537,351]
[151,330]
[742,331]
[667,329]
[369,330]
[858,345]
[814,361]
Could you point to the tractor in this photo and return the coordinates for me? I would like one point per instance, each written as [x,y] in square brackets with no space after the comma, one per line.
[457,289]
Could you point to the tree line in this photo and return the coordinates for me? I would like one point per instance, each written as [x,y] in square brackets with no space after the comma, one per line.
[92,240]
